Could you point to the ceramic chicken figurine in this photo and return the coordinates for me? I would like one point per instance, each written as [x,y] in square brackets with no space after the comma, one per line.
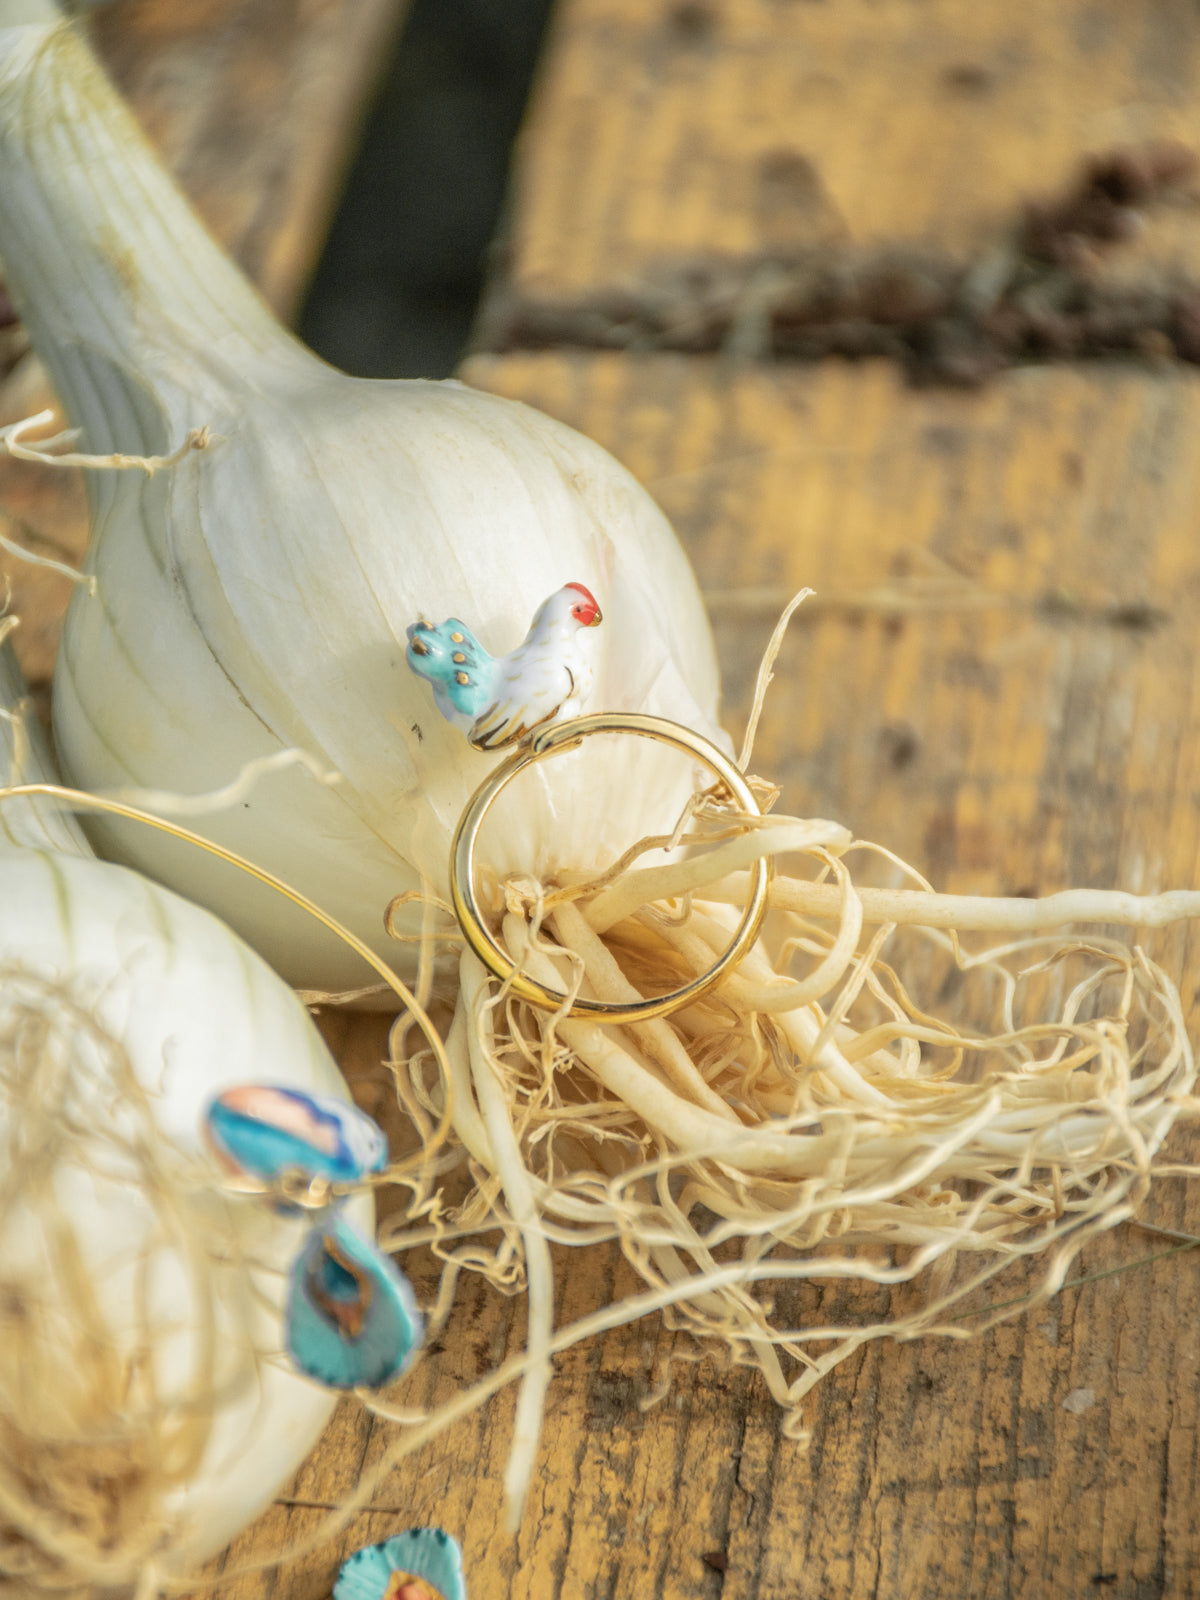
[497,700]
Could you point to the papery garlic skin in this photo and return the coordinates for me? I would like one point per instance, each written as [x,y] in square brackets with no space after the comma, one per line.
[255,597]
[194,1010]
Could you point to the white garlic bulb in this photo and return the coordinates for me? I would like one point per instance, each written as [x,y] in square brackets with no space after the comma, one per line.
[129,1287]
[254,598]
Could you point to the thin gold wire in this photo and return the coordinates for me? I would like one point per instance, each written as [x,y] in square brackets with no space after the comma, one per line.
[557,740]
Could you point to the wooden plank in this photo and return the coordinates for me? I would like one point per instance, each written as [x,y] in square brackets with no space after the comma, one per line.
[996,678]
[662,129]
[687,161]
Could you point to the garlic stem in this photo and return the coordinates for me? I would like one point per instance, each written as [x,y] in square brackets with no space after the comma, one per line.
[80,184]
[254,596]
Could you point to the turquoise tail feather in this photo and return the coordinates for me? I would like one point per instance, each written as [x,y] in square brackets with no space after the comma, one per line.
[450,657]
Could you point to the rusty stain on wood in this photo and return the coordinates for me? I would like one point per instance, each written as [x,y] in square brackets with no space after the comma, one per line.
[811,180]
[1037,292]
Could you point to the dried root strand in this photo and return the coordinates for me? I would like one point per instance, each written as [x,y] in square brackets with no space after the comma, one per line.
[47,452]
[964,913]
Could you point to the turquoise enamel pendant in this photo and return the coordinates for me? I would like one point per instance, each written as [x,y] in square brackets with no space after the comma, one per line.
[263,1130]
[352,1318]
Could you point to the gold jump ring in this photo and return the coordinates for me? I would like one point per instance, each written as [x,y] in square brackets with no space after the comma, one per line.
[556,740]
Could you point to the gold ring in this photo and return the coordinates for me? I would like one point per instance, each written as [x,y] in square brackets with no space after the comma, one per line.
[556,740]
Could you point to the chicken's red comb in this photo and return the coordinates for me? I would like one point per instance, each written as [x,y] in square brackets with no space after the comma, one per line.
[586,610]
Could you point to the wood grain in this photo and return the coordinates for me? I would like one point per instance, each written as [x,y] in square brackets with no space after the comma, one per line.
[682,133]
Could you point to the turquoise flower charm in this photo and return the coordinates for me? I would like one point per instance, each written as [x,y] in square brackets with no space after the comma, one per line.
[418,1564]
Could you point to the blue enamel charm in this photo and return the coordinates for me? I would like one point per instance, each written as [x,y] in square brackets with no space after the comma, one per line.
[351,1315]
[263,1130]
[497,700]
[416,1564]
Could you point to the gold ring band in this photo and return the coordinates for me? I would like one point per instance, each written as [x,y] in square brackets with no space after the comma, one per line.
[556,740]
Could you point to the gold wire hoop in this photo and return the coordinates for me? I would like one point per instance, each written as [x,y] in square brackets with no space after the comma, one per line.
[557,740]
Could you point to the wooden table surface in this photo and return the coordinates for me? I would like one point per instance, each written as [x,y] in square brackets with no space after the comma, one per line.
[998,678]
